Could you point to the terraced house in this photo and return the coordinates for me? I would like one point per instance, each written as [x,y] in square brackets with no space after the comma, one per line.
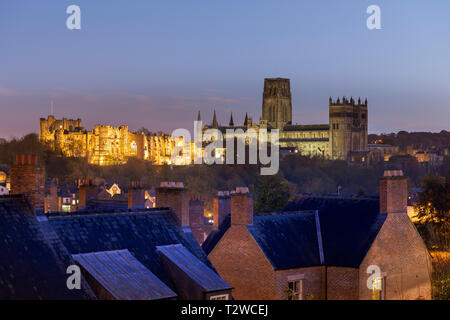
[322,247]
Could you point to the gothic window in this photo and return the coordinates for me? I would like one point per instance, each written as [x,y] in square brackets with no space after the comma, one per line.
[133,148]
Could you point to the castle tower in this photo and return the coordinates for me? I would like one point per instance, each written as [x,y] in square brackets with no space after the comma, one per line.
[348,127]
[277,102]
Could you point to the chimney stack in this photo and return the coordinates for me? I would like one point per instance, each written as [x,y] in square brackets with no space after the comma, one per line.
[174,195]
[28,178]
[241,207]
[221,207]
[86,191]
[136,196]
[196,212]
[393,192]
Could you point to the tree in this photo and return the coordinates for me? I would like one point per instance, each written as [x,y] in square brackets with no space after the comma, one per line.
[272,194]
[433,205]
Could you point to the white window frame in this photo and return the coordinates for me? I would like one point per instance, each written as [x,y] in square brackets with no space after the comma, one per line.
[220,297]
[300,279]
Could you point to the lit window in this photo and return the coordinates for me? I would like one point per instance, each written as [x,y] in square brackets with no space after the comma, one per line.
[378,288]
[295,289]
[133,148]
[219,297]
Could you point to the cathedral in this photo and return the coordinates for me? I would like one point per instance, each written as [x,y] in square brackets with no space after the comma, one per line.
[346,132]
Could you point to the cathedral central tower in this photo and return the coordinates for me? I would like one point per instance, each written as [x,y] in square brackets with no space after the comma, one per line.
[277,102]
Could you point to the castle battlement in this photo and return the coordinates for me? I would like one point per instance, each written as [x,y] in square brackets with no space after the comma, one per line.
[105,144]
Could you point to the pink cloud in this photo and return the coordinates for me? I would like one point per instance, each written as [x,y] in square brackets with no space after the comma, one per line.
[8,92]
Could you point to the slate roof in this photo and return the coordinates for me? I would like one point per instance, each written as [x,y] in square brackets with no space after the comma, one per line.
[339,234]
[139,231]
[288,241]
[102,205]
[33,261]
[348,226]
[193,268]
[123,275]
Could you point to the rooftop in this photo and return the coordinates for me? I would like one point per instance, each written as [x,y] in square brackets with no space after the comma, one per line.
[312,231]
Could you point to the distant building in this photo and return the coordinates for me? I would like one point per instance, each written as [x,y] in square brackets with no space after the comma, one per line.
[324,248]
[382,152]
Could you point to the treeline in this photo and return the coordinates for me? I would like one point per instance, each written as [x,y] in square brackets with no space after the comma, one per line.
[422,139]
[298,174]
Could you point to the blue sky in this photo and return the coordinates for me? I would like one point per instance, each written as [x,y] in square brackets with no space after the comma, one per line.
[155,63]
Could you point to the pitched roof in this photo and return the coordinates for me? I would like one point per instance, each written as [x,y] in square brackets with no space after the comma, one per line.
[288,241]
[139,231]
[111,204]
[192,267]
[348,226]
[123,276]
[339,234]
[33,260]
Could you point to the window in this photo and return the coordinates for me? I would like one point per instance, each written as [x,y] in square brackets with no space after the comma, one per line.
[295,289]
[133,148]
[378,288]
[219,297]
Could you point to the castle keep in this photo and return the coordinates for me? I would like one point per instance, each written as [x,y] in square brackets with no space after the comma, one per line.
[105,145]
[346,132]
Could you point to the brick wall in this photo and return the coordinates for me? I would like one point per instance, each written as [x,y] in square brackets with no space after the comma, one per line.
[342,283]
[175,197]
[393,194]
[313,282]
[241,209]
[241,263]
[403,258]
[28,178]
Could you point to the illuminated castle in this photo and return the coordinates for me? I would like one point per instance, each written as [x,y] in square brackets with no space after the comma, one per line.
[107,145]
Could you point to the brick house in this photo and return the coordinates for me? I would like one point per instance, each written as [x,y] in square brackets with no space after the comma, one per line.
[324,248]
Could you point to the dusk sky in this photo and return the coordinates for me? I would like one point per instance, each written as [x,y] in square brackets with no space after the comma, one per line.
[154,64]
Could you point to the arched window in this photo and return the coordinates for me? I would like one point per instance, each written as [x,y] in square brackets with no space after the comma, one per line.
[134,148]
